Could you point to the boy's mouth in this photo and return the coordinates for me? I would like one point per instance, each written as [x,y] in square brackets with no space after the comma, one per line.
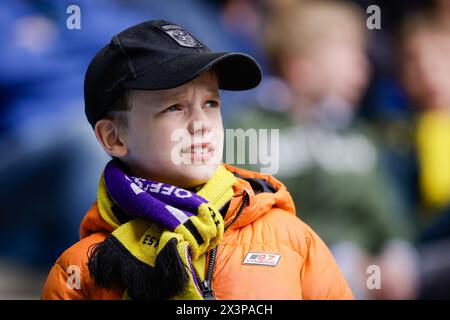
[199,152]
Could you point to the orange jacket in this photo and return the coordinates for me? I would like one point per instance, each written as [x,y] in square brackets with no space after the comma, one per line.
[268,224]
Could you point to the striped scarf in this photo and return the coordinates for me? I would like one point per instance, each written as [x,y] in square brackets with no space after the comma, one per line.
[159,230]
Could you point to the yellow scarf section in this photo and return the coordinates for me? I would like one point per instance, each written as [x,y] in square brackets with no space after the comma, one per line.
[433,142]
[145,239]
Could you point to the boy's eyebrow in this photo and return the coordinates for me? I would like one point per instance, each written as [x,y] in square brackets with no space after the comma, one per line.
[215,92]
[179,94]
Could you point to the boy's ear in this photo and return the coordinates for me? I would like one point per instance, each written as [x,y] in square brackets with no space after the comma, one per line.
[108,135]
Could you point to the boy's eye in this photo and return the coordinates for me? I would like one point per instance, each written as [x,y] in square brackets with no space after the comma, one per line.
[175,107]
[212,104]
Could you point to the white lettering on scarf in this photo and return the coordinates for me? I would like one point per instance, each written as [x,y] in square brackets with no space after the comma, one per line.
[135,188]
[138,187]
[178,214]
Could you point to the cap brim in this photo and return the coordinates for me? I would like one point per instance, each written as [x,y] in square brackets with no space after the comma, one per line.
[236,71]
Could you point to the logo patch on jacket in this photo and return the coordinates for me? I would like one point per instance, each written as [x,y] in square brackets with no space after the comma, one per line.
[181,36]
[262,259]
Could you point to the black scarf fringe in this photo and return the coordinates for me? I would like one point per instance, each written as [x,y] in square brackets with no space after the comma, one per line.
[110,260]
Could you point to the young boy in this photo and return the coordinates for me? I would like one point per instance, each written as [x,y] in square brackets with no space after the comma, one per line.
[426,77]
[170,221]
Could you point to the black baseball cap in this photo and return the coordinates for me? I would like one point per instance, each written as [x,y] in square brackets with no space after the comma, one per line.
[155,55]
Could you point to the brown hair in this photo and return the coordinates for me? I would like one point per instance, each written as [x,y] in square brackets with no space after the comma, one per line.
[298,28]
[118,110]
[424,21]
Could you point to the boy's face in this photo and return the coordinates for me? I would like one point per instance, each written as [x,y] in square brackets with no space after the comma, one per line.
[426,69]
[175,136]
[334,67]
[344,69]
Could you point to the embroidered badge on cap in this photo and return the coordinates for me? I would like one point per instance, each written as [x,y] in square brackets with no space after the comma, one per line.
[262,259]
[181,36]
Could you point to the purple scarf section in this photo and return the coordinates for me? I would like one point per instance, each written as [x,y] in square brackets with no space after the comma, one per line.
[162,203]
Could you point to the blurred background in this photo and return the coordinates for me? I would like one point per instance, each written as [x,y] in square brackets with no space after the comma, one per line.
[363,114]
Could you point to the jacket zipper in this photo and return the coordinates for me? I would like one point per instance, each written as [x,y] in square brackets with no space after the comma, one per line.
[207,291]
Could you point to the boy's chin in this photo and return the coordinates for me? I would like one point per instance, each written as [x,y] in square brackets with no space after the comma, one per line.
[193,175]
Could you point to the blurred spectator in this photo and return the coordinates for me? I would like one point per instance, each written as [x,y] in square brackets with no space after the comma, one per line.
[329,159]
[426,75]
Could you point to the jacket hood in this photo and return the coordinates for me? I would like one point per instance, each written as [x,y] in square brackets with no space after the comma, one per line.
[263,192]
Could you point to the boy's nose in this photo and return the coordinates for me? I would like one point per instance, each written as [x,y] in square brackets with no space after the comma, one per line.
[199,121]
